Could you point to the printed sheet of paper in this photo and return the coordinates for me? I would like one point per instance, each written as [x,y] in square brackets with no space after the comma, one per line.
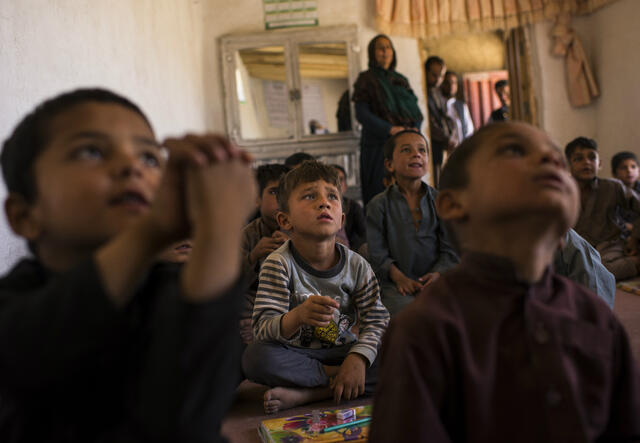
[290,13]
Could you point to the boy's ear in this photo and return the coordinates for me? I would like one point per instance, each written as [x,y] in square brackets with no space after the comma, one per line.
[20,215]
[451,205]
[388,166]
[283,221]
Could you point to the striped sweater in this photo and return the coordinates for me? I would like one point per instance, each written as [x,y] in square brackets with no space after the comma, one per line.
[286,281]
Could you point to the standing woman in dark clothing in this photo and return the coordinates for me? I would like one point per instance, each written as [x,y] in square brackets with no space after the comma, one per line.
[385,104]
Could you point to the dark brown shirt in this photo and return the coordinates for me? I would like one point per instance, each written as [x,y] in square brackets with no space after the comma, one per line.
[598,220]
[483,357]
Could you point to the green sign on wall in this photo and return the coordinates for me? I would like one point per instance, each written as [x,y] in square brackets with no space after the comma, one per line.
[290,13]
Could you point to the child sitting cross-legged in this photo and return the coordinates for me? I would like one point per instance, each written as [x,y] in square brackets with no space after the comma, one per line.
[501,349]
[603,200]
[260,238]
[98,340]
[408,246]
[311,292]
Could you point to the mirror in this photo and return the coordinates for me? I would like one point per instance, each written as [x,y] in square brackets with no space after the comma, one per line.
[261,92]
[324,77]
[278,85]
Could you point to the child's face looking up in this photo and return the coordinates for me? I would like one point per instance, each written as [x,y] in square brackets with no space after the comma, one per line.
[584,163]
[315,211]
[519,172]
[99,171]
[410,157]
[269,203]
[627,171]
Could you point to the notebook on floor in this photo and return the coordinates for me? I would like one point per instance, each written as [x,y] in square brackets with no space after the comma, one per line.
[632,286]
[307,428]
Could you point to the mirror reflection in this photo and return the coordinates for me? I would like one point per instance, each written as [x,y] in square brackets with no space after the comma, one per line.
[324,76]
[261,89]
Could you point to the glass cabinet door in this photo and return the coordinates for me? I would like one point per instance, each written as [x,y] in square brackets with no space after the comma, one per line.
[289,91]
[323,73]
[262,93]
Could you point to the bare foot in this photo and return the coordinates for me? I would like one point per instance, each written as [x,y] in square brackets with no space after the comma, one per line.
[277,399]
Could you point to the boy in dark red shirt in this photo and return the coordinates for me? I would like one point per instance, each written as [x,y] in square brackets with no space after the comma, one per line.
[500,348]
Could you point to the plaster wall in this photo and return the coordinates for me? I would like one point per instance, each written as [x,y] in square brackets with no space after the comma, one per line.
[610,37]
[163,54]
[617,66]
[247,16]
[148,50]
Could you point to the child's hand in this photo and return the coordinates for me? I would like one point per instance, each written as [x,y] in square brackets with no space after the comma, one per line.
[428,278]
[168,218]
[218,191]
[630,246]
[281,236]
[221,186]
[350,379]
[317,310]
[404,284]
[265,246]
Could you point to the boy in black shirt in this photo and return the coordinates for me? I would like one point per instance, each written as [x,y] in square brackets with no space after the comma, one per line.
[96,342]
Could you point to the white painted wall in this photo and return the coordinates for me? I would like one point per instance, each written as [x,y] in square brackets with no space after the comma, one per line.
[163,54]
[617,61]
[610,37]
[149,50]
[247,16]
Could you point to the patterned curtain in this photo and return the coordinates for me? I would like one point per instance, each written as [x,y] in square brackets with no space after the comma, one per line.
[437,18]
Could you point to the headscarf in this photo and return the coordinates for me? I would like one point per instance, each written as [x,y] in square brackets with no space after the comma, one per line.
[387,91]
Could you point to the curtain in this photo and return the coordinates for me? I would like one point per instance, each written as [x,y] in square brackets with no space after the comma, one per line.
[523,103]
[436,18]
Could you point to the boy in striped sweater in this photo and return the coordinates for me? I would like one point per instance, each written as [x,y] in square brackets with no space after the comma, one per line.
[311,292]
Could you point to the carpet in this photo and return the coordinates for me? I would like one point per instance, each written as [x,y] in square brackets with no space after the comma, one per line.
[242,421]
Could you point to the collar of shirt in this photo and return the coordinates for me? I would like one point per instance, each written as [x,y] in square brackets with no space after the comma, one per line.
[501,270]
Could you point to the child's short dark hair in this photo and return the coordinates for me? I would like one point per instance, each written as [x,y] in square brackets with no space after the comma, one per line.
[390,144]
[341,169]
[500,84]
[579,142]
[31,135]
[308,171]
[295,159]
[619,158]
[431,60]
[266,174]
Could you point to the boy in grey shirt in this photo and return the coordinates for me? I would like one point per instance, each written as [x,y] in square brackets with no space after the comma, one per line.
[408,246]
[311,292]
